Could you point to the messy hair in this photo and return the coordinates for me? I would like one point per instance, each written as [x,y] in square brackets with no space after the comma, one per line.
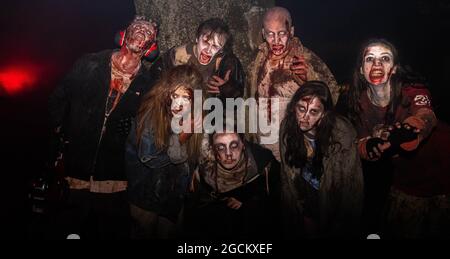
[403,76]
[154,112]
[215,26]
[293,138]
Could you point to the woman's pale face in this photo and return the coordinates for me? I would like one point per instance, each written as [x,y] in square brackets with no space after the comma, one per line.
[378,64]
[309,111]
[181,101]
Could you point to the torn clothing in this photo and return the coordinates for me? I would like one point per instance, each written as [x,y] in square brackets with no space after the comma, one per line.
[273,78]
[341,191]
[416,101]
[79,106]
[421,172]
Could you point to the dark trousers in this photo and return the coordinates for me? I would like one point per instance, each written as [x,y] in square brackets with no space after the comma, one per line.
[149,225]
[94,216]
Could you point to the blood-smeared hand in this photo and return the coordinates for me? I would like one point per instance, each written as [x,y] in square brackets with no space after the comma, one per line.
[299,67]
[404,136]
[375,148]
[234,204]
[215,82]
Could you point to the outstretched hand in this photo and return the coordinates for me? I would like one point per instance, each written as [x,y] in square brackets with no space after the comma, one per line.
[299,67]
[403,136]
[215,82]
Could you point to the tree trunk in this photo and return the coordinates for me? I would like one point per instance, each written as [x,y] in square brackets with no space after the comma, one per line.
[178,21]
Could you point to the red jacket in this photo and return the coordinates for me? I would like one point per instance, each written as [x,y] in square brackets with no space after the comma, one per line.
[426,171]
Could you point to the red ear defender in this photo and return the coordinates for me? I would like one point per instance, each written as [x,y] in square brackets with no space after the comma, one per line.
[122,37]
[152,53]
[119,38]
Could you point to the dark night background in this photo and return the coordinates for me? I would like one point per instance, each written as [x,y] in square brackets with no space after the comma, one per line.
[41,40]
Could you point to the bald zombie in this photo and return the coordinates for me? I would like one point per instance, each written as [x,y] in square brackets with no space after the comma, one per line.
[281,67]
[278,30]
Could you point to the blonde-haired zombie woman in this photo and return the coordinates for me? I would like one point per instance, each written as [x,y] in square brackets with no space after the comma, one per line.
[159,160]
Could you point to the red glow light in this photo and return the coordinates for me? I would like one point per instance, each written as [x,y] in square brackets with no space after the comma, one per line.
[17,79]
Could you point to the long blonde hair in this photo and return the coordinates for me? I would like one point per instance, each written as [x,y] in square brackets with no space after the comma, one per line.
[154,112]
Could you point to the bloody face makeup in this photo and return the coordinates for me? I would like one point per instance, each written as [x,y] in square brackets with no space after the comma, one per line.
[309,111]
[208,45]
[277,35]
[378,64]
[228,148]
[181,101]
[139,36]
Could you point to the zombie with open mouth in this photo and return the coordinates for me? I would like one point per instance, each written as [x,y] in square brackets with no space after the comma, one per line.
[398,132]
[212,55]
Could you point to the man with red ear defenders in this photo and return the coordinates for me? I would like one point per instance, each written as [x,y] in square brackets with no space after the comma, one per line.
[93,107]
[151,50]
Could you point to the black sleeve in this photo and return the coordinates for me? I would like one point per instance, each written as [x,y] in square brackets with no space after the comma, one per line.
[235,86]
[59,105]
[274,182]
[59,100]
[274,204]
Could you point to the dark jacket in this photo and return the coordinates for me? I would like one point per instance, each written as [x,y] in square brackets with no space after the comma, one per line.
[207,215]
[78,106]
[218,66]
[155,182]
[420,173]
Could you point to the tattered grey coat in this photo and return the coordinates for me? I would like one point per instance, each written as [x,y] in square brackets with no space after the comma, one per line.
[341,188]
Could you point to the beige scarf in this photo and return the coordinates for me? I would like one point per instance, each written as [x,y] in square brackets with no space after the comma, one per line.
[224,180]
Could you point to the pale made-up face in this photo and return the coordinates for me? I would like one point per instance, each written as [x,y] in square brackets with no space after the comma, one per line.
[277,35]
[378,65]
[139,36]
[309,111]
[228,148]
[181,101]
[207,47]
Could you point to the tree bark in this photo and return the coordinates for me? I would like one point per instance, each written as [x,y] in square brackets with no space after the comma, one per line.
[178,21]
